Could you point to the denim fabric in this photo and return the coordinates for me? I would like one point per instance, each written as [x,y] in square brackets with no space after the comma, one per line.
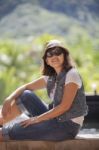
[31,103]
[47,130]
[78,107]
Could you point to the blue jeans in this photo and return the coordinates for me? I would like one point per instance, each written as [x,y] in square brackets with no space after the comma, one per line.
[47,130]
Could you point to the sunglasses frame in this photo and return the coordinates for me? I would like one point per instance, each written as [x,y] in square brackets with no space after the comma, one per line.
[54,52]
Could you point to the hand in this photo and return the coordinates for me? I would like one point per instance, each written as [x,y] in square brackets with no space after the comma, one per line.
[29,121]
[6,108]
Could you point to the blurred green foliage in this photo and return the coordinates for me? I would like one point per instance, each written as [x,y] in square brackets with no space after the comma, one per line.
[21,63]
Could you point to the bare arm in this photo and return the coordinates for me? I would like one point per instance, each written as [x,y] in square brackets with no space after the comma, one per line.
[37,84]
[34,85]
[70,91]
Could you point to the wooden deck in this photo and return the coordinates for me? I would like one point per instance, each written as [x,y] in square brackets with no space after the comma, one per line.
[77,144]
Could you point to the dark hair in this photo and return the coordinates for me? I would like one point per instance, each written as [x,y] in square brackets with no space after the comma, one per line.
[67,65]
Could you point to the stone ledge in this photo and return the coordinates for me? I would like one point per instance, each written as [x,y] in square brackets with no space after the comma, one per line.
[77,144]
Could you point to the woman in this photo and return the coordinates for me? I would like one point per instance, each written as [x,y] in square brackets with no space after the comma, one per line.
[64,86]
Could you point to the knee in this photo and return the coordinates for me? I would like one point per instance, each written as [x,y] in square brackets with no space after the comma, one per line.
[27,94]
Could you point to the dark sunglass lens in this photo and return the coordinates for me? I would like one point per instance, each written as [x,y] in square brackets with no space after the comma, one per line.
[49,54]
[58,52]
[54,52]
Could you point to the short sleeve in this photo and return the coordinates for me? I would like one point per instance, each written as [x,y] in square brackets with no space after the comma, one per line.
[45,78]
[73,76]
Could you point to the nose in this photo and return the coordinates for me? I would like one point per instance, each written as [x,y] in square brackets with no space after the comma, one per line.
[54,56]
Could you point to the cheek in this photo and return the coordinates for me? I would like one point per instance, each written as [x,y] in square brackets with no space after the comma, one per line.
[62,58]
[47,61]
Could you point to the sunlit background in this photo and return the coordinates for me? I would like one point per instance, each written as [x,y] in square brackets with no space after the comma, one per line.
[25,26]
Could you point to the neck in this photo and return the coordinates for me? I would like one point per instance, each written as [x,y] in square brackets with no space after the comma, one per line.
[58,70]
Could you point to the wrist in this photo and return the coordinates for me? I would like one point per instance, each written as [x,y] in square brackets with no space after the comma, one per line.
[36,119]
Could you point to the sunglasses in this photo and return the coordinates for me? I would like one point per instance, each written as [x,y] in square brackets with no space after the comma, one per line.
[55,52]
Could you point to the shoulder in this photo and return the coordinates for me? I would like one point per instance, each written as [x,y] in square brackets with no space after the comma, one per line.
[72,72]
[73,76]
[45,78]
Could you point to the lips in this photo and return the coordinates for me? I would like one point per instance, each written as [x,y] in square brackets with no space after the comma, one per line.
[55,61]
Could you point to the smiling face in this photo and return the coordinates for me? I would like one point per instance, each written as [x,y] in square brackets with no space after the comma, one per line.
[55,59]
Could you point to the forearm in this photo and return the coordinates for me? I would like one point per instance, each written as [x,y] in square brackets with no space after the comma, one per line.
[55,112]
[34,85]
[70,91]
[17,92]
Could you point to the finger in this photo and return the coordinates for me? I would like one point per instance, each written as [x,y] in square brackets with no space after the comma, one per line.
[24,121]
[25,124]
[5,112]
[22,124]
[2,111]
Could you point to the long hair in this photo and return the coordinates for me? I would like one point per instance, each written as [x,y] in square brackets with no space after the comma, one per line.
[67,64]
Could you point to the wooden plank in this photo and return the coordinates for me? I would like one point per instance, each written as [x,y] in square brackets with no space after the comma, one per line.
[77,144]
[81,144]
[30,145]
[2,146]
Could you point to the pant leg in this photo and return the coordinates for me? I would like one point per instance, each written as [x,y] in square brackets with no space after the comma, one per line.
[31,102]
[46,130]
